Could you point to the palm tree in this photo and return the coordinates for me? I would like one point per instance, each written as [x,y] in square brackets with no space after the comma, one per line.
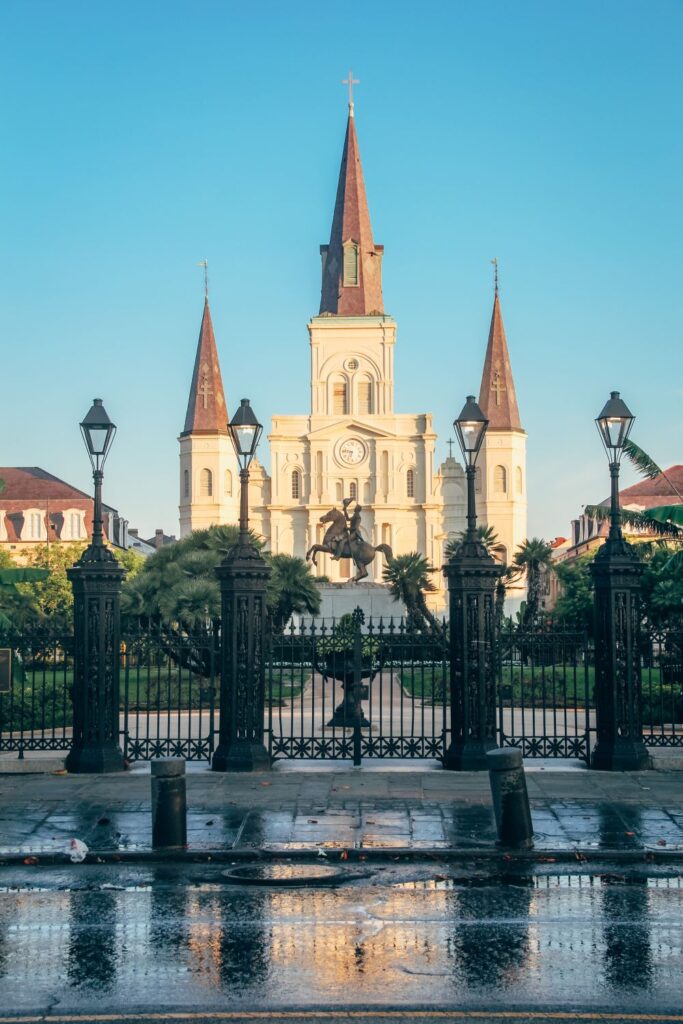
[291,588]
[486,534]
[532,560]
[407,577]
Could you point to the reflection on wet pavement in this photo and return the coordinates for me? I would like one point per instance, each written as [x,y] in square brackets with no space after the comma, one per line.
[155,937]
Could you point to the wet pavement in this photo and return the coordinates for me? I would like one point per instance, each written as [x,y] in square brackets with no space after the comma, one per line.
[89,939]
[357,810]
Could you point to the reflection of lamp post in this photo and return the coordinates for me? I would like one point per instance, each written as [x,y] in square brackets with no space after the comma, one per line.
[616,575]
[96,581]
[243,576]
[472,575]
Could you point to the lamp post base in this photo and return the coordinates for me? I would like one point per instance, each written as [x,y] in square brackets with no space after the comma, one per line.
[241,756]
[469,756]
[623,755]
[94,760]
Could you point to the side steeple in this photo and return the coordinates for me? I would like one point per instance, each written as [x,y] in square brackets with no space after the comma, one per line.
[497,398]
[351,263]
[206,409]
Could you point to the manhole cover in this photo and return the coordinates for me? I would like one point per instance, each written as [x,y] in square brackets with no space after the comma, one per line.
[284,874]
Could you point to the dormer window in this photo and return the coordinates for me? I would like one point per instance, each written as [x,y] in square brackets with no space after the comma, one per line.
[350,265]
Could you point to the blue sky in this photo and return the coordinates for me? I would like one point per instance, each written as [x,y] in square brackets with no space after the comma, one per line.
[140,137]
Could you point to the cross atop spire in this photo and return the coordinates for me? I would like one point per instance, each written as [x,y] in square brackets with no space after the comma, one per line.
[206,410]
[205,263]
[497,398]
[352,263]
[351,81]
[495,274]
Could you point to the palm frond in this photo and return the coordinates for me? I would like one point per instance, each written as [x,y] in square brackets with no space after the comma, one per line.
[641,461]
[644,521]
[647,466]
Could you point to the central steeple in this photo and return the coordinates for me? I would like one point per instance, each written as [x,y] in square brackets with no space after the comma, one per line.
[351,263]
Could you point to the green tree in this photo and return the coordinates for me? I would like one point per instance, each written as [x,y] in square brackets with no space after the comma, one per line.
[408,580]
[291,589]
[531,561]
[661,585]
[486,534]
[574,606]
[177,588]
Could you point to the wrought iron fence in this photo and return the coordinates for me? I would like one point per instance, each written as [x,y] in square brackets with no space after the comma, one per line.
[379,691]
[376,689]
[169,690]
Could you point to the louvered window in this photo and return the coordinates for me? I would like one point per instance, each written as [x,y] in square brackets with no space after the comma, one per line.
[339,399]
[353,490]
[296,484]
[500,480]
[350,265]
[206,483]
[364,397]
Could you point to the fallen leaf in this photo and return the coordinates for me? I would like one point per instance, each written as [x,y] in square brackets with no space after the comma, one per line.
[265,783]
[61,771]
[30,860]
[344,855]
[210,822]
[629,833]
[661,842]
[312,821]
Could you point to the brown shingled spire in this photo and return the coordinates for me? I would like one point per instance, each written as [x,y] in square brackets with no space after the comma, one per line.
[206,410]
[352,263]
[497,398]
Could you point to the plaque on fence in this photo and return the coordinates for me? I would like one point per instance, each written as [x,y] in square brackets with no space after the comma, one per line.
[5,669]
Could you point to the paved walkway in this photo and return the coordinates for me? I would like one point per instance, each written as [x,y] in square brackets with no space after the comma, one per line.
[337,808]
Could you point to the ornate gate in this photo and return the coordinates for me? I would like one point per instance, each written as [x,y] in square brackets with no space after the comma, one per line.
[356,689]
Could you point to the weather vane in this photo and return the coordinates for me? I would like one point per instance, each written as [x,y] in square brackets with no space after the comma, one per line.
[351,81]
[495,273]
[205,264]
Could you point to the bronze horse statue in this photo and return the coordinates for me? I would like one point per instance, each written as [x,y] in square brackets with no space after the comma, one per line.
[343,540]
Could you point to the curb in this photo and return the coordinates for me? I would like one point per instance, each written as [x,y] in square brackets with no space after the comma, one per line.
[487,855]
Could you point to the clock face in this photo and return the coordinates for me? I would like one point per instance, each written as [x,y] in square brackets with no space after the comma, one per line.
[352,451]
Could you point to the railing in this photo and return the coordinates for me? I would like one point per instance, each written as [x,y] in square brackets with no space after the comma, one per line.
[378,691]
[384,693]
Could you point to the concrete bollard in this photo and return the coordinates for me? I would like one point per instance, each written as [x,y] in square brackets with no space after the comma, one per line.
[169,803]
[510,798]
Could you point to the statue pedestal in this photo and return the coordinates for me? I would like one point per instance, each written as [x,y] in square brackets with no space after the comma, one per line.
[339,599]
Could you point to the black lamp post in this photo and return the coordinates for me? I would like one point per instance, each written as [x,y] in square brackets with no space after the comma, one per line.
[616,575]
[472,575]
[243,577]
[96,581]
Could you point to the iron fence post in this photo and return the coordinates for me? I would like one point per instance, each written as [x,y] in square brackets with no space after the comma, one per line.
[357,672]
[472,574]
[96,582]
[243,577]
[616,574]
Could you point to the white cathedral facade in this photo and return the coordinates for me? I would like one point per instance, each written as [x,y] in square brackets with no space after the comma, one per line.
[352,444]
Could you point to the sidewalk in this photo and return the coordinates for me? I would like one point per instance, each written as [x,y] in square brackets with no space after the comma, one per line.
[332,807]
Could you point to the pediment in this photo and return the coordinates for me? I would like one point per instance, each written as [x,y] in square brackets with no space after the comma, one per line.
[350,426]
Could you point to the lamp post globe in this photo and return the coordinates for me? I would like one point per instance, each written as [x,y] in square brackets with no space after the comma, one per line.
[472,574]
[243,576]
[96,581]
[616,572]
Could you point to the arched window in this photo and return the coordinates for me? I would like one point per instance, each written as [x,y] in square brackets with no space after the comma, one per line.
[364,397]
[72,526]
[519,480]
[228,483]
[410,483]
[339,490]
[500,480]
[339,398]
[206,483]
[186,483]
[350,265]
[296,484]
[353,490]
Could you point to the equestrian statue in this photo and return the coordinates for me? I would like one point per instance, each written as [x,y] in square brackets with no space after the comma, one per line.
[343,539]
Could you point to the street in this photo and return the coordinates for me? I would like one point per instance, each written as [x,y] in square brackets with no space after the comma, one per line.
[381,941]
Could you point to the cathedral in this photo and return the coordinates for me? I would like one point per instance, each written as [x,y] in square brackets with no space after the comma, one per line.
[352,444]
